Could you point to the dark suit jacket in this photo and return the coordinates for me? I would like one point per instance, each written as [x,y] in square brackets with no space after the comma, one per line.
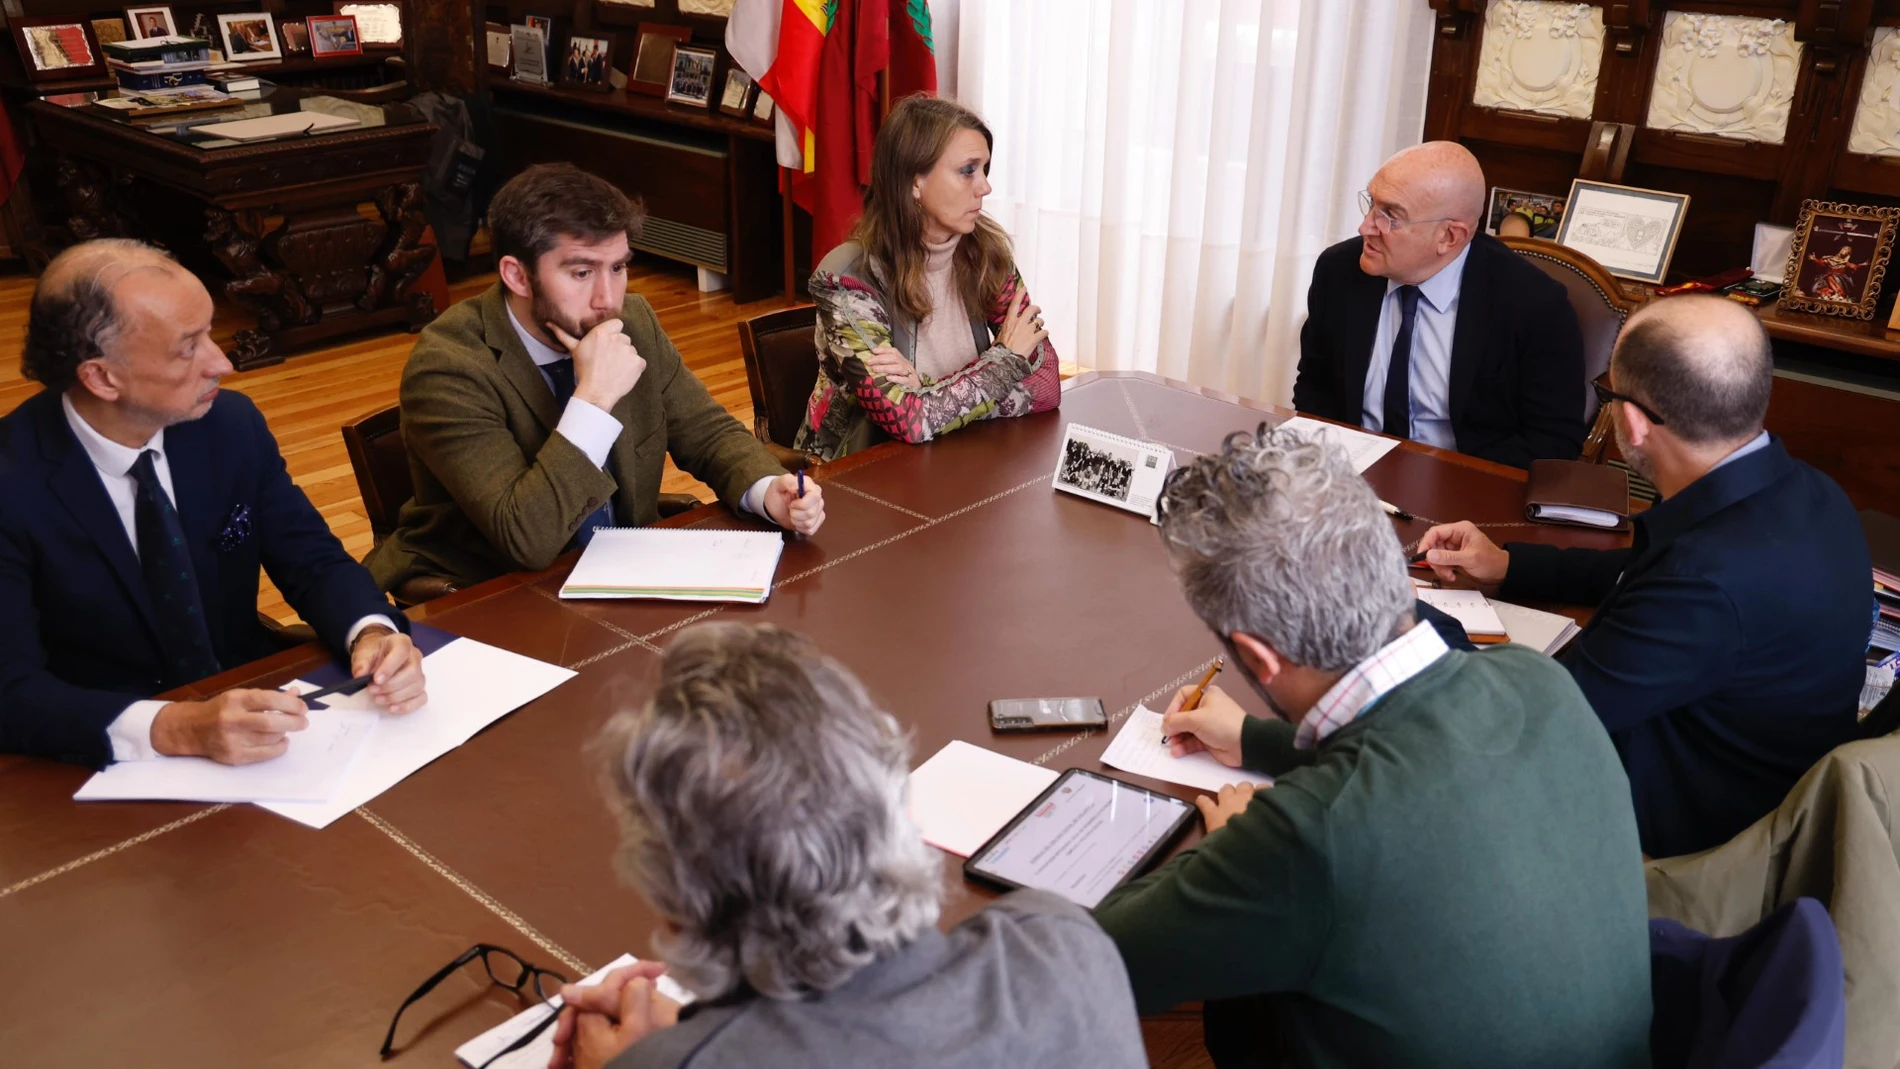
[77,643]
[1725,656]
[497,491]
[1516,353]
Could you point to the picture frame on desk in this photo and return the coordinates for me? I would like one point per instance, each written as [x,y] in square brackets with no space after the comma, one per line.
[57,49]
[692,81]
[108,31]
[652,71]
[501,52]
[250,37]
[147,22]
[1839,258]
[587,63]
[762,108]
[736,98]
[530,54]
[334,35]
[296,37]
[1632,232]
[1538,214]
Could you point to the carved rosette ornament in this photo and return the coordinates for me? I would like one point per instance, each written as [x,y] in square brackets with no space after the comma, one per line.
[1725,75]
[1541,56]
[1877,117]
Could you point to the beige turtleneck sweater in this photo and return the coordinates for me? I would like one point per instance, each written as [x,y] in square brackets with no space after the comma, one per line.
[944,340]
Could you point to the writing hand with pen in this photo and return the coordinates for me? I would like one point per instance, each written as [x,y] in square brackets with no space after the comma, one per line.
[1203,719]
[246,725]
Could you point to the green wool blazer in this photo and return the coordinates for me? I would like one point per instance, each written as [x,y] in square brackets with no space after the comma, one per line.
[497,491]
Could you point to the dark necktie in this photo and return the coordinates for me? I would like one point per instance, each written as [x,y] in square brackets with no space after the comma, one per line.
[166,562]
[561,373]
[1398,375]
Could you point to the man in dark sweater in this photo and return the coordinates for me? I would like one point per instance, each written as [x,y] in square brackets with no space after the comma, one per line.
[1725,653]
[1445,873]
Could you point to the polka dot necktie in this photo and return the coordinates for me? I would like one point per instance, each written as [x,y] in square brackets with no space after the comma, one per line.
[166,561]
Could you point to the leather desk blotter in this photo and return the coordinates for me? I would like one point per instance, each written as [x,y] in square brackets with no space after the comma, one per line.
[1583,495]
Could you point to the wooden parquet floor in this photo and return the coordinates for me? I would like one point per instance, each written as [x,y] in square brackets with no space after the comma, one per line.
[307,398]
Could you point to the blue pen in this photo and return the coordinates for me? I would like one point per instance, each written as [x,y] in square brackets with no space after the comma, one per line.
[801,482]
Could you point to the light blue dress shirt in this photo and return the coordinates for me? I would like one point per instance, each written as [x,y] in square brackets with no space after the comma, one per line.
[1430,376]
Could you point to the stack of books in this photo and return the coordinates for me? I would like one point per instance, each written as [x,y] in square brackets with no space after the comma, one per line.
[159,62]
[1885,639]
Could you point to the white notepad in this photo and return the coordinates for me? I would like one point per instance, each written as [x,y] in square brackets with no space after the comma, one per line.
[1138,748]
[676,564]
[270,126]
[1546,631]
[964,794]
[1469,608]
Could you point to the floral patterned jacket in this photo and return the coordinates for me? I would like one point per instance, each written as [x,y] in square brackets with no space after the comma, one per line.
[851,408]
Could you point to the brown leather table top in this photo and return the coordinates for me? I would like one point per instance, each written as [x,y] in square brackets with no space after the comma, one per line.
[945,576]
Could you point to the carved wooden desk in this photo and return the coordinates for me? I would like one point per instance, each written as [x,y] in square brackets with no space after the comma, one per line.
[282,217]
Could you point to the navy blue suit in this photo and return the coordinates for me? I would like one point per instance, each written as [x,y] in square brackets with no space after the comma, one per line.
[77,639]
[1725,657]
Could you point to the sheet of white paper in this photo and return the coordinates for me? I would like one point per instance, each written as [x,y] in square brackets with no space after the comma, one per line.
[1363,449]
[1468,607]
[1535,628]
[309,770]
[471,685]
[964,794]
[1138,748]
[540,1050]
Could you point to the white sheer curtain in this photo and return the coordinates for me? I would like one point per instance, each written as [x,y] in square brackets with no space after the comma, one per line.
[1169,169]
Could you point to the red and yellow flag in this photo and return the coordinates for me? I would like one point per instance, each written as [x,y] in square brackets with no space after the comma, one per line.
[793,79]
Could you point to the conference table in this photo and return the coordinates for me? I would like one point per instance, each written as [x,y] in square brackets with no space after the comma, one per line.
[945,576]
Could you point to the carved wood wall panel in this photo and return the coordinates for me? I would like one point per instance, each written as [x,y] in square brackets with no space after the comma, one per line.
[1725,75]
[1877,115]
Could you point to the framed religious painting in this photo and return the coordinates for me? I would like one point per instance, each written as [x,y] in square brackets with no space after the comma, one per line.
[1838,259]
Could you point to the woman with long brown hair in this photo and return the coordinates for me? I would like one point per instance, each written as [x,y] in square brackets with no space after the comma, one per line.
[923,321]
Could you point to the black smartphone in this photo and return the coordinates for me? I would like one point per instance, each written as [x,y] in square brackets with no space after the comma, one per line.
[1045,714]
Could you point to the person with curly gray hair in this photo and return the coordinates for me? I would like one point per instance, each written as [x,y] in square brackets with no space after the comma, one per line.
[1445,871]
[760,795]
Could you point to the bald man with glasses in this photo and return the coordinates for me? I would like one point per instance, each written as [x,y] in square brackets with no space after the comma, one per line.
[1424,327]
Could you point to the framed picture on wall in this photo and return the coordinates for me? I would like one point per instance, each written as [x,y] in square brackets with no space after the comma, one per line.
[652,69]
[334,35]
[57,49]
[587,63]
[692,81]
[150,22]
[736,98]
[249,37]
[1631,232]
[1839,258]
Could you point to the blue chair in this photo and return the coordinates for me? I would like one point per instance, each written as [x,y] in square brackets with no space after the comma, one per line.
[1770,998]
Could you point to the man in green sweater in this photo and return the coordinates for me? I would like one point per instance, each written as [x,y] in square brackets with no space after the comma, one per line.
[1446,871]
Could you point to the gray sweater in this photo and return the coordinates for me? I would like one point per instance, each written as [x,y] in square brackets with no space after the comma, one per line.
[1031,980]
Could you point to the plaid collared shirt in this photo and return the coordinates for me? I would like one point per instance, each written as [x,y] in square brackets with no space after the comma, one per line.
[1368,681]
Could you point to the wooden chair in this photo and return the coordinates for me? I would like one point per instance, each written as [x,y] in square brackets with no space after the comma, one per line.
[781,367]
[1602,308]
[381,463]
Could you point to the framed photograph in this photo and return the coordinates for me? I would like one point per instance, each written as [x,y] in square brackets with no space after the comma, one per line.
[1631,232]
[736,100]
[107,31]
[378,25]
[587,63]
[1112,469]
[202,27]
[1840,255]
[296,38]
[763,107]
[57,49]
[550,36]
[530,53]
[1516,213]
[249,37]
[692,81]
[150,22]
[500,47]
[334,35]
[652,69]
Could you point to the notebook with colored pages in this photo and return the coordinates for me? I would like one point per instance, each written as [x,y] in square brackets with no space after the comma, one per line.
[676,564]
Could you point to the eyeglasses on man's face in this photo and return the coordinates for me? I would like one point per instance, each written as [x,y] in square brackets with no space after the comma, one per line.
[1605,395]
[1384,222]
[505,969]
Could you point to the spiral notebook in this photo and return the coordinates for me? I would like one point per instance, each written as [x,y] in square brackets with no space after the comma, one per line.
[676,564]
